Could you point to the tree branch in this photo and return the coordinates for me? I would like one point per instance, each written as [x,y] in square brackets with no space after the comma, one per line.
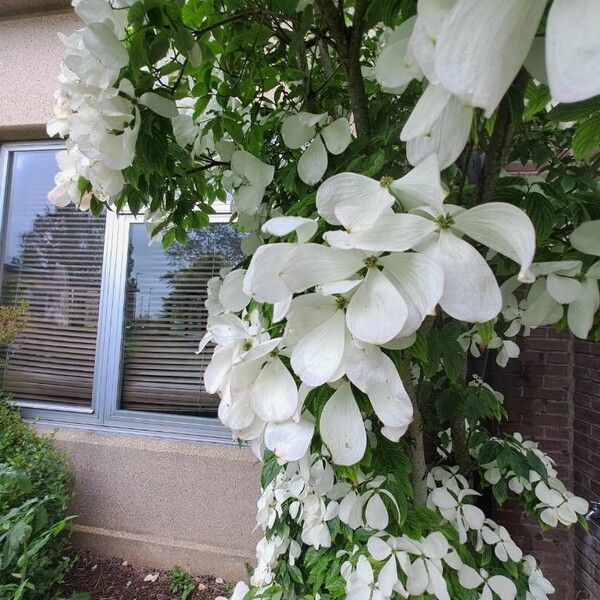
[349,43]
[495,156]
[418,474]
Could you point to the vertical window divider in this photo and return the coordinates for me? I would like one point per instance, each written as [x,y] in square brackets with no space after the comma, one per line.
[107,369]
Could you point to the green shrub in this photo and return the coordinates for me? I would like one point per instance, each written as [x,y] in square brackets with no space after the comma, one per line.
[35,490]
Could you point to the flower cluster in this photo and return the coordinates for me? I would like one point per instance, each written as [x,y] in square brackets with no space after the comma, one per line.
[337,305]
[547,495]
[448,44]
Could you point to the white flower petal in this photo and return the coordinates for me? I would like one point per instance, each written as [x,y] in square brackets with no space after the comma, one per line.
[352,200]
[435,545]
[586,238]
[418,276]
[503,586]
[317,356]
[289,440]
[105,46]
[315,264]
[417,578]
[563,289]
[253,169]
[313,162]
[377,548]
[392,69]
[479,67]
[165,107]
[231,292]
[263,280]
[471,292]
[376,515]
[581,312]
[573,49]
[474,516]
[342,428]
[421,186]
[337,136]
[280,226]
[394,232]
[426,112]
[275,395]
[376,312]
[469,578]
[447,137]
[515,238]
[296,131]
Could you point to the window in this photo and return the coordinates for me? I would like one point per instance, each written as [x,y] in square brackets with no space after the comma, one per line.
[166,317]
[114,320]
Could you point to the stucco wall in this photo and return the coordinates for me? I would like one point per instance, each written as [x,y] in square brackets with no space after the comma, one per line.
[30,54]
[154,502]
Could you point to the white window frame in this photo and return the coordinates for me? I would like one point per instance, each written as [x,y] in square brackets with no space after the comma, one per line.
[104,413]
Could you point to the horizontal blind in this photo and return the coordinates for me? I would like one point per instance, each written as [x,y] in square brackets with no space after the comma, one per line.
[166,318]
[53,261]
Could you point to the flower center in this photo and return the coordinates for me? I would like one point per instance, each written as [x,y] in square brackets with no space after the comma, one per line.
[341,302]
[386,181]
[370,261]
[444,221]
[247,345]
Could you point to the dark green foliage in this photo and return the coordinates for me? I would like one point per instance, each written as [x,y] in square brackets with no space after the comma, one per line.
[35,490]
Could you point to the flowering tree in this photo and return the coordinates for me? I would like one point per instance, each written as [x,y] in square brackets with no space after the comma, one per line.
[361,145]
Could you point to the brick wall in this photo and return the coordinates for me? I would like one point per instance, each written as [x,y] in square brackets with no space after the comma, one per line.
[586,463]
[538,390]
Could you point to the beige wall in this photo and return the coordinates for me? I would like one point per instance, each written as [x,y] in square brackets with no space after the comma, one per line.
[160,503]
[30,53]
[154,502]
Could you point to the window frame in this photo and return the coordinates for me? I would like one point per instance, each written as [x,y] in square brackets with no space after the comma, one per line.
[104,413]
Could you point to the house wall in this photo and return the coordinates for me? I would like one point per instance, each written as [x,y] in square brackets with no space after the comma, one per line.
[155,502]
[552,394]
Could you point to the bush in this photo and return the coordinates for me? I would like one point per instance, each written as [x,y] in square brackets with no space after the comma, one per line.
[35,490]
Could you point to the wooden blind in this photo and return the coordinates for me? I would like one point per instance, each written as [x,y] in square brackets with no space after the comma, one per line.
[166,318]
[53,261]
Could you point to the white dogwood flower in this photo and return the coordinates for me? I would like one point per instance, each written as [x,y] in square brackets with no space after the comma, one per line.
[308,128]
[471,292]
[563,283]
[557,504]
[497,536]
[426,572]
[248,180]
[361,583]
[539,586]
[455,509]
[487,585]
[479,68]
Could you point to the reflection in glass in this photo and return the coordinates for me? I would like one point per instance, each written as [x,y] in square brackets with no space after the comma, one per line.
[166,318]
[52,259]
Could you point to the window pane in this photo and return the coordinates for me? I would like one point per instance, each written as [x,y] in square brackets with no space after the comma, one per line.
[166,318]
[53,260]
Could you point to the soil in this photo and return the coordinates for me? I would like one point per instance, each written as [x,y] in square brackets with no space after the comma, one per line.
[114,579]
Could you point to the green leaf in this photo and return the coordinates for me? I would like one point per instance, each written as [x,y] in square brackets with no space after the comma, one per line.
[537,97]
[271,468]
[575,111]
[500,491]
[586,140]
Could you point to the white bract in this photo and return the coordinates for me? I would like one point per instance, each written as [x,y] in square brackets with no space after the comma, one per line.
[557,504]
[455,508]
[487,585]
[563,283]
[307,128]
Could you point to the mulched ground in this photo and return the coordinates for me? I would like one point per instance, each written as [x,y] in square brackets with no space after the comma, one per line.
[113,579]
